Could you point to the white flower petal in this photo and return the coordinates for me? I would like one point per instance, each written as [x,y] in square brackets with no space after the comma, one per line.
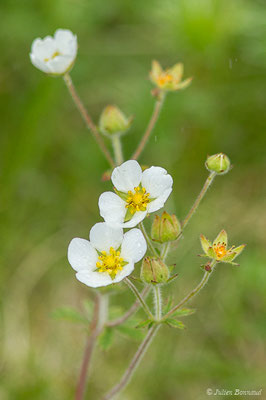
[134,245]
[94,279]
[156,181]
[159,202]
[103,236]
[127,176]
[112,208]
[39,63]
[81,255]
[135,220]
[127,269]
[60,64]
[43,48]
[66,42]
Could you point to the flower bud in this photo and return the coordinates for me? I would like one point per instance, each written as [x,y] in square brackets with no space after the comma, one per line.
[165,228]
[113,121]
[154,270]
[218,163]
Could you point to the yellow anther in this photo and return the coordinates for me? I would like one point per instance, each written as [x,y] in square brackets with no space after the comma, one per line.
[111,263]
[137,201]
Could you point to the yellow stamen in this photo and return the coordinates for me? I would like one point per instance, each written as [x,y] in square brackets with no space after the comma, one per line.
[220,250]
[137,201]
[110,262]
[55,54]
[165,78]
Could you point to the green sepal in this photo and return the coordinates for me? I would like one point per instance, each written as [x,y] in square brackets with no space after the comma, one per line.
[221,238]
[122,195]
[172,278]
[174,323]
[205,244]
[228,257]
[128,215]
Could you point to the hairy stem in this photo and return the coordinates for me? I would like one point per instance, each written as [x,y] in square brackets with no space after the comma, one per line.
[152,122]
[203,191]
[158,302]
[86,117]
[131,311]
[165,250]
[148,240]
[97,323]
[116,141]
[133,365]
[139,297]
[194,292]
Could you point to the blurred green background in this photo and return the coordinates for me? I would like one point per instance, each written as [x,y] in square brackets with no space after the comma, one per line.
[51,174]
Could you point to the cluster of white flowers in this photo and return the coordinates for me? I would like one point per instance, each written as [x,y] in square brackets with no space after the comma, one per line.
[110,254]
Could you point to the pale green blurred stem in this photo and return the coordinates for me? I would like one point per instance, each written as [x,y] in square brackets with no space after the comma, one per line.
[134,363]
[100,315]
[206,186]
[139,297]
[117,146]
[86,117]
[194,292]
[156,112]
[165,250]
[148,240]
[158,302]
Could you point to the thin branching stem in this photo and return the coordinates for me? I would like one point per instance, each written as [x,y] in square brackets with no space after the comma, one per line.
[118,152]
[194,292]
[88,121]
[203,191]
[134,363]
[94,332]
[131,311]
[152,122]
[158,302]
[139,297]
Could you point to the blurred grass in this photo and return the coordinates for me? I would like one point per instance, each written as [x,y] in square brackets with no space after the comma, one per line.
[50,182]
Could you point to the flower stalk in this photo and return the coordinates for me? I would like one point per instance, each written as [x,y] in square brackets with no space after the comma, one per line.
[148,240]
[133,288]
[154,118]
[203,191]
[86,117]
[117,146]
[158,302]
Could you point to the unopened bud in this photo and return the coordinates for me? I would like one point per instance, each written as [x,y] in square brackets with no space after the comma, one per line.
[154,270]
[218,163]
[165,228]
[113,121]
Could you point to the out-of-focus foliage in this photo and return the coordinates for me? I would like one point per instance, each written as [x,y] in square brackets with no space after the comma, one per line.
[50,182]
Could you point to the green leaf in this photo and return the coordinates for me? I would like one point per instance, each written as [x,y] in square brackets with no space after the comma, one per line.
[174,323]
[143,324]
[169,304]
[106,338]
[183,312]
[69,314]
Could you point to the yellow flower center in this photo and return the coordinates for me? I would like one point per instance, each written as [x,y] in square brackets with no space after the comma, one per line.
[165,78]
[137,201]
[56,54]
[111,263]
[220,250]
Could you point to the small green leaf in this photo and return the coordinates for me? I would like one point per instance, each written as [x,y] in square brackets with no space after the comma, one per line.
[183,312]
[69,314]
[143,324]
[105,339]
[129,330]
[169,304]
[174,323]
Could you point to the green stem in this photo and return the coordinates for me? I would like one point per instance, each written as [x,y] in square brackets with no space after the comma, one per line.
[195,291]
[206,186]
[152,122]
[117,146]
[87,119]
[148,240]
[165,250]
[158,302]
[134,363]
[139,297]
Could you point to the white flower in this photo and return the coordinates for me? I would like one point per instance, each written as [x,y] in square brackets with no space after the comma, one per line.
[137,194]
[55,55]
[108,257]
